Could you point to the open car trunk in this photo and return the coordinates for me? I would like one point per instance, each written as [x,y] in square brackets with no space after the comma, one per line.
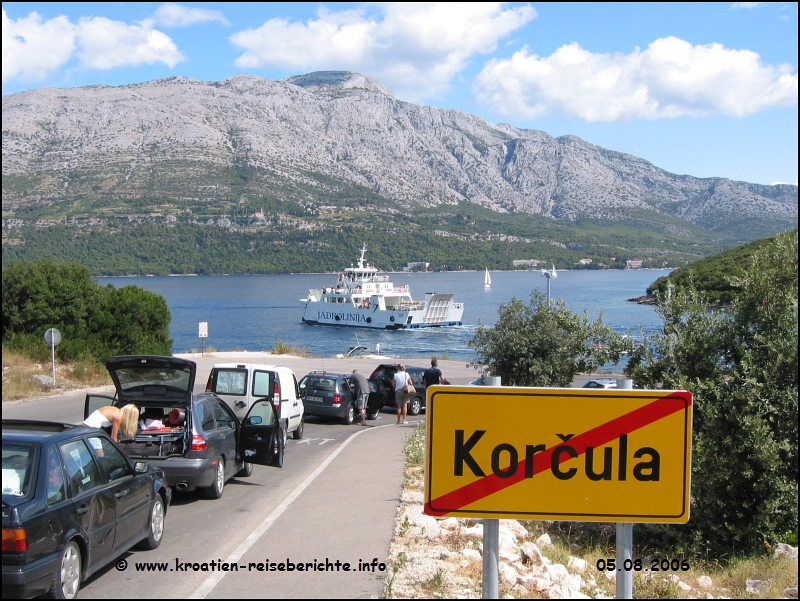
[164,431]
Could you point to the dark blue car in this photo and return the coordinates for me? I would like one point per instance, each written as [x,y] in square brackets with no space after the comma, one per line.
[72,503]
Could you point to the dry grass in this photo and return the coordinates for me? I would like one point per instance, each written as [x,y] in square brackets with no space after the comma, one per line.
[19,373]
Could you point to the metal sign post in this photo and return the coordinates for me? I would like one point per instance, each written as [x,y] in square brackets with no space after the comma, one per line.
[624,537]
[203,336]
[53,337]
[491,550]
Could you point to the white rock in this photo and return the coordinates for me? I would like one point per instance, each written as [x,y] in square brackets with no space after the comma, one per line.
[535,583]
[565,591]
[507,574]
[705,582]
[611,575]
[754,587]
[471,554]
[544,542]
[532,552]
[577,564]
[507,549]
[476,531]
[790,593]
[673,578]
[784,550]
[449,524]
[514,527]
[558,572]
[684,587]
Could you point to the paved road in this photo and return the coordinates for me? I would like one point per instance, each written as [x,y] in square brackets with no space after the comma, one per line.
[335,500]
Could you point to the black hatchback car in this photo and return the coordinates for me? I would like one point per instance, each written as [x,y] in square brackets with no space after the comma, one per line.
[381,387]
[196,439]
[72,503]
[333,395]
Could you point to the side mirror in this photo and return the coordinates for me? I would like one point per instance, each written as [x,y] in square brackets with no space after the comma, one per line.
[141,467]
[254,420]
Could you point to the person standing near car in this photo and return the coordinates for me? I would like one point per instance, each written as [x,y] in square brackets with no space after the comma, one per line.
[401,397]
[433,375]
[362,395]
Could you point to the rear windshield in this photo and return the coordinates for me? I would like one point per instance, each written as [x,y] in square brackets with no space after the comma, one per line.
[318,383]
[144,376]
[229,381]
[17,469]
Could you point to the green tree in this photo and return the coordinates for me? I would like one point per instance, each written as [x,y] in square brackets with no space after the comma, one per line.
[544,345]
[741,366]
[94,321]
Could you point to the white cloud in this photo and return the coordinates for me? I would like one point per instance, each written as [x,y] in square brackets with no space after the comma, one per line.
[746,5]
[671,78]
[414,48]
[33,49]
[177,15]
[106,44]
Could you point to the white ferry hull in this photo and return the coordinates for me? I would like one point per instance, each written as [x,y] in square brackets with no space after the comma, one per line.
[319,314]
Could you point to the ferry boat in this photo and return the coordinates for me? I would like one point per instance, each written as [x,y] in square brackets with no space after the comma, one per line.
[364,297]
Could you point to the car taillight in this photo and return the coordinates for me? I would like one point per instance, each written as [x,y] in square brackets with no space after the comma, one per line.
[15,540]
[208,384]
[337,399]
[198,443]
[276,396]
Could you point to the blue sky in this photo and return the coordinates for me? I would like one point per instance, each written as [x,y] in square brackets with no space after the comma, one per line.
[705,89]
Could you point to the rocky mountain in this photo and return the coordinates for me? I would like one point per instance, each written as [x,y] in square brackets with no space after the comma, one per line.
[178,138]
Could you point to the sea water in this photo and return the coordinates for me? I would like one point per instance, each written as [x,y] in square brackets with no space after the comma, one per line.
[253,312]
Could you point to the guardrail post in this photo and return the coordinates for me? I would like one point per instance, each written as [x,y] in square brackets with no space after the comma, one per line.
[491,549]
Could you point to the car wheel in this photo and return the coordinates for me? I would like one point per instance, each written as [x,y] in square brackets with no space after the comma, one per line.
[245,472]
[298,434]
[374,414]
[415,406]
[350,414]
[285,432]
[67,579]
[281,449]
[156,525]
[215,490]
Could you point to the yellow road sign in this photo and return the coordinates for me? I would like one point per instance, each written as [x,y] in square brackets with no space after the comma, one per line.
[559,454]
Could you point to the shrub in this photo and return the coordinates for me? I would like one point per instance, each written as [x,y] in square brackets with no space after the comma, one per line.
[741,366]
[544,345]
[94,321]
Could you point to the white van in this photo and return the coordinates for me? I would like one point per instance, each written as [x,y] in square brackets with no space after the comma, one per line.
[241,384]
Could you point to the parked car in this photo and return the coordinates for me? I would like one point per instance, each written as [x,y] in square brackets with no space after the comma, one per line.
[334,395]
[381,388]
[196,439]
[241,384]
[601,383]
[72,503]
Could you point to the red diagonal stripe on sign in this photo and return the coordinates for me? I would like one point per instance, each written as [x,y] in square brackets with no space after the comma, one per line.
[602,434]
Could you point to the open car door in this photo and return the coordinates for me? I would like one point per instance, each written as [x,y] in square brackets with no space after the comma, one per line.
[261,438]
[95,401]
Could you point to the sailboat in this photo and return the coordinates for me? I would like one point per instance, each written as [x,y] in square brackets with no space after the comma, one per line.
[487,280]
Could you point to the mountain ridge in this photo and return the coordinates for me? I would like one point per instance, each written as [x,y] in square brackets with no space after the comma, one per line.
[169,138]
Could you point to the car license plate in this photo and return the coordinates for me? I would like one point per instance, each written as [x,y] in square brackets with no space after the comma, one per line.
[373,387]
[314,399]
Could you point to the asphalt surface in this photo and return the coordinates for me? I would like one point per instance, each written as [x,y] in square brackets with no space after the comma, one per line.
[333,503]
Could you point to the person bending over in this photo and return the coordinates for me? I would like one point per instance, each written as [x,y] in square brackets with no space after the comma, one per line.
[123,420]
